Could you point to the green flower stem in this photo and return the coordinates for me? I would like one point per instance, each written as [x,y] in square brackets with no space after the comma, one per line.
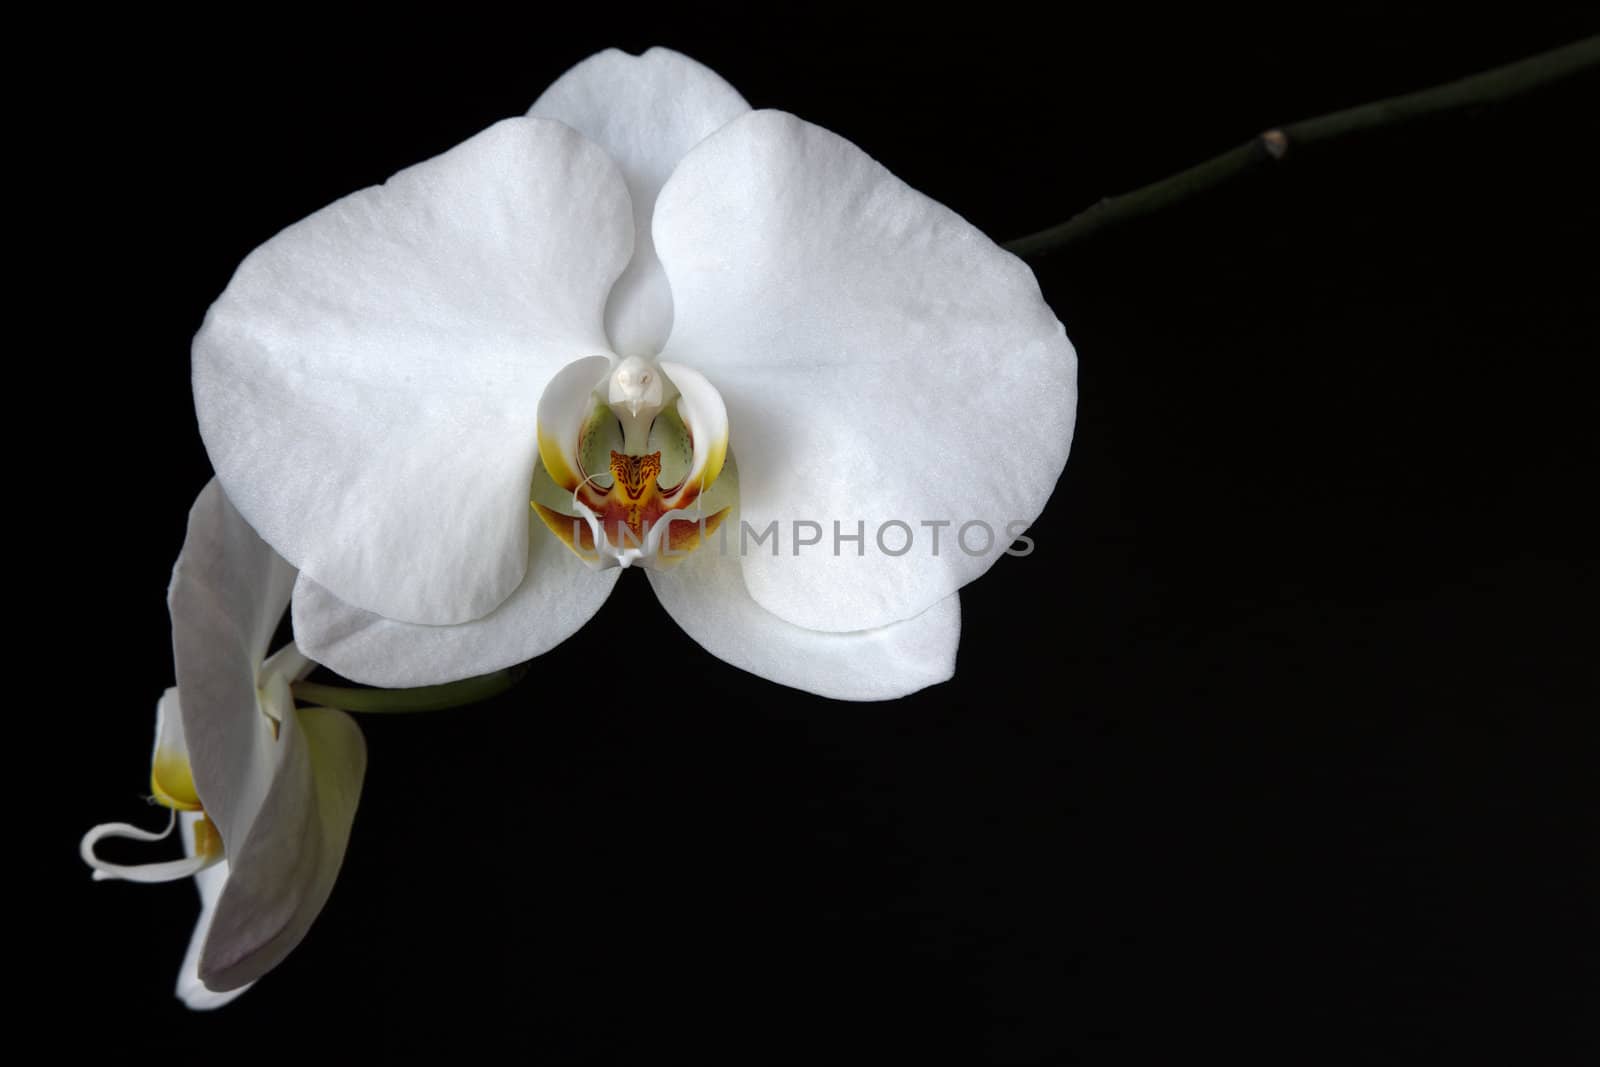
[426,698]
[1490,86]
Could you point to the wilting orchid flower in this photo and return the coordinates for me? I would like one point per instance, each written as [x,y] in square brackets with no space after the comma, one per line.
[265,792]
[598,309]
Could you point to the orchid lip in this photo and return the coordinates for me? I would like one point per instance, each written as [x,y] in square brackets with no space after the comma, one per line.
[634,453]
[172,786]
[207,852]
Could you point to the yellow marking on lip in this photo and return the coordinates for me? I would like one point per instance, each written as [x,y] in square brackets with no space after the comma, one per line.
[686,535]
[172,781]
[207,840]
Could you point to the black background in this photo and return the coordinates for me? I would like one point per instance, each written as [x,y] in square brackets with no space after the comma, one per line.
[1281,746]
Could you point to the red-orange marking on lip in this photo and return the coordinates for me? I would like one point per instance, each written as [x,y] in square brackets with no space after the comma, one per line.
[685,535]
[633,500]
[634,503]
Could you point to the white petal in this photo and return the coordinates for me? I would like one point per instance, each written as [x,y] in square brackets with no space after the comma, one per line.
[281,876]
[367,386]
[191,990]
[706,595]
[559,595]
[280,785]
[228,593]
[646,112]
[880,360]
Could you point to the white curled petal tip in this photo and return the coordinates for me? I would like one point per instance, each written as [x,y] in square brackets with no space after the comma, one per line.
[207,853]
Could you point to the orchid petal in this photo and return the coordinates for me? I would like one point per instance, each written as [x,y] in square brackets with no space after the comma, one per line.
[228,593]
[881,360]
[558,596]
[646,111]
[209,882]
[705,594]
[367,386]
[281,877]
[280,785]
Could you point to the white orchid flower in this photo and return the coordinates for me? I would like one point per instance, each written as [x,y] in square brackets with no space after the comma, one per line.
[597,309]
[264,792]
